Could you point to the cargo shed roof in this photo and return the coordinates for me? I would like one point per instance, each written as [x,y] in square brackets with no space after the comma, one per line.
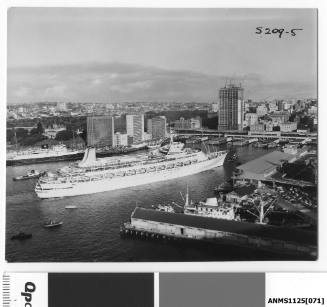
[266,163]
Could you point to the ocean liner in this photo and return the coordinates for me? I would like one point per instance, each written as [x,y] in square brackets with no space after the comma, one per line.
[41,155]
[93,175]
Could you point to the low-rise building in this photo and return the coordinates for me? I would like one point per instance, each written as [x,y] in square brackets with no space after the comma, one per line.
[273,107]
[51,133]
[251,119]
[288,126]
[265,134]
[279,117]
[262,110]
[257,127]
[193,123]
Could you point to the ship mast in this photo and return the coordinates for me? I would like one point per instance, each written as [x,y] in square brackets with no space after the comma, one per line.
[16,142]
[264,207]
[186,197]
[171,140]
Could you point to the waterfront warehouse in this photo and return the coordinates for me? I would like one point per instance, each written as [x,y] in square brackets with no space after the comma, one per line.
[263,167]
[178,225]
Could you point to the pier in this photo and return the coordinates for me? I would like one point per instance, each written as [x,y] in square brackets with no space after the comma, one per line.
[246,135]
[157,225]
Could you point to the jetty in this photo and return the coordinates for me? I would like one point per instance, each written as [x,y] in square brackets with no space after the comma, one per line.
[153,224]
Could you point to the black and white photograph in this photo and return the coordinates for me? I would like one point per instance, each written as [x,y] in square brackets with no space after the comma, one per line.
[161,134]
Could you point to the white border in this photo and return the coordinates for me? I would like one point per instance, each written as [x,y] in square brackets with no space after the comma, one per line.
[245,266]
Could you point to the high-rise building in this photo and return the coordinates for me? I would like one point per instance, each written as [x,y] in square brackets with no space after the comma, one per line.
[149,125]
[231,108]
[120,124]
[120,139]
[135,127]
[100,131]
[158,127]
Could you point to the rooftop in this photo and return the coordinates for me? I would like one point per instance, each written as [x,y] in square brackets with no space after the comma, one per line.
[266,163]
[244,190]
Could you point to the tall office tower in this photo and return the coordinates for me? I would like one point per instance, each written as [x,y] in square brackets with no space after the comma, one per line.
[100,131]
[120,123]
[135,127]
[158,127]
[231,108]
[149,125]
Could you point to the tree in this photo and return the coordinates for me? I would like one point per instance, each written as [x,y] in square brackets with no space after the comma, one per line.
[83,135]
[21,133]
[64,135]
[40,129]
[11,135]
[31,140]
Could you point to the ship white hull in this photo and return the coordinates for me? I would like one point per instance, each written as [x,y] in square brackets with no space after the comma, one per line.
[82,188]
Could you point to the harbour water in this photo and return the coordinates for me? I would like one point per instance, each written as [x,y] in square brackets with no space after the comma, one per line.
[91,231]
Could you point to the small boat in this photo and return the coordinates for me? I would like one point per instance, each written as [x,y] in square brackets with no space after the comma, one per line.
[217,141]
[232,157]
[71,207]
[261,145]
[240,142]
[165,208]
[272,145]
[31,175]
[21,236]
[52,223]
[156,146]
[224,187]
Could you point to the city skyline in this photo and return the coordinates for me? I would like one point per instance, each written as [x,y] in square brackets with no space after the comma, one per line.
[107,55]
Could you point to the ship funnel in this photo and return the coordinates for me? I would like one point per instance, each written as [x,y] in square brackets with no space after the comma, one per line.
[89,157]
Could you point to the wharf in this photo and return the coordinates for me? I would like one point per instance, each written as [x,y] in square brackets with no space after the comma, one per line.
[292,182]
[152,224]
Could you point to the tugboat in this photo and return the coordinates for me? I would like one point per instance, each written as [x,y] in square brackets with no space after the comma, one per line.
[21,236]
[52,223]
[31,175]
[211,207]
[71,207]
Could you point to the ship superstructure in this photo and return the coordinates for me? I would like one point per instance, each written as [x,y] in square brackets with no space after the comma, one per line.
[93,175]
[211,208]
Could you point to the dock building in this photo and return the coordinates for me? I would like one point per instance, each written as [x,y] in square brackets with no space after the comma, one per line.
[149,222]
[263,167]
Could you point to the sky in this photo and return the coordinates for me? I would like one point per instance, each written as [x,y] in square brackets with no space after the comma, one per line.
[135,54]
